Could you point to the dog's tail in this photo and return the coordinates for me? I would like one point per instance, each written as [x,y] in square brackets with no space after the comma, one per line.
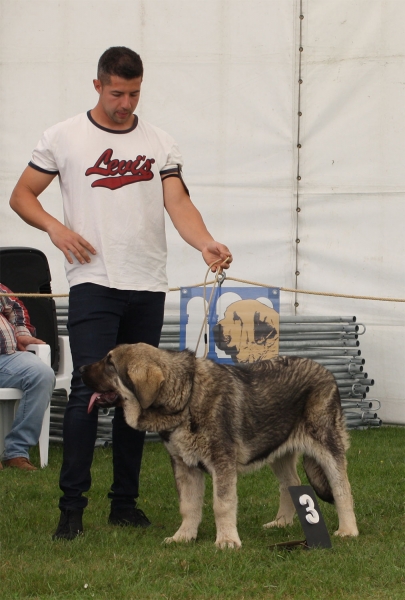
[317,479]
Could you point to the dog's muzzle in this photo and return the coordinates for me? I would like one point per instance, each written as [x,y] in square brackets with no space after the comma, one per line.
[102,399]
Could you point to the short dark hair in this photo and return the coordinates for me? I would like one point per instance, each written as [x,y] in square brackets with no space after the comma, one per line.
[120,61]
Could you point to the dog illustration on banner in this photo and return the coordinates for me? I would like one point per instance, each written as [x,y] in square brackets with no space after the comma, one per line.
[244,323]
[249,331]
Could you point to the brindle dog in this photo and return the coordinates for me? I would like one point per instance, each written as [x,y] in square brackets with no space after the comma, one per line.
[225,420]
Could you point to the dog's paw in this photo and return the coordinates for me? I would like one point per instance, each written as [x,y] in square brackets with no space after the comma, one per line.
[280,522]
[347,532]
[181,536]
[227,541]
[169,540]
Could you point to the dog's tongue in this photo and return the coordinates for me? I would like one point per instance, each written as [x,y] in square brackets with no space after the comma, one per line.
[93,401]
[97,395]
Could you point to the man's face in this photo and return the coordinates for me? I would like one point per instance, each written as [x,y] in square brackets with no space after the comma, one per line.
[118,99]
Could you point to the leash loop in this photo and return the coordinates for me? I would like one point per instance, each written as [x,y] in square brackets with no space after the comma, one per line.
[207,306]
[221,278]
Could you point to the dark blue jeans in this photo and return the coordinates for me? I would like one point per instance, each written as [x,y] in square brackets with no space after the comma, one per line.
[99,319]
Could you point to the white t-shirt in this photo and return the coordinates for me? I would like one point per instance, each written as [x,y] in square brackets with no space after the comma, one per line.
[113,197]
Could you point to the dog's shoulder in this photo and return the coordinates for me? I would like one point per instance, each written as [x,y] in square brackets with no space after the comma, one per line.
[185,356]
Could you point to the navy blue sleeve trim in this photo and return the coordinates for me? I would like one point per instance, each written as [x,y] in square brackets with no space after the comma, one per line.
[167,171]
[31,164]
[175,172]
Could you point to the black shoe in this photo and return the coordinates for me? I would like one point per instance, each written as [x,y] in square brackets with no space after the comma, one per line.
[128,516]
[70,525]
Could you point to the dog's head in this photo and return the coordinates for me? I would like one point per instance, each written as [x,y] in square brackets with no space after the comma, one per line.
[248,332]
[136,370]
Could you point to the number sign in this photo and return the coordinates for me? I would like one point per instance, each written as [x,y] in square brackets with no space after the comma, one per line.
[310,516]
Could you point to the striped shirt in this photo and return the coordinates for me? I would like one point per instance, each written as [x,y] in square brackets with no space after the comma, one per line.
[14,321]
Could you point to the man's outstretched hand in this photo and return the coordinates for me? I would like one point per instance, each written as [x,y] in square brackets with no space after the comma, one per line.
[214,251]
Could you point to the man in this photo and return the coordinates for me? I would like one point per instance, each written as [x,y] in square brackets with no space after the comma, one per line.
[23,370]
[117,174]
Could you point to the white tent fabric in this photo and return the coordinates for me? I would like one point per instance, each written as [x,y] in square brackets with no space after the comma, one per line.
[222,77]
[351,192]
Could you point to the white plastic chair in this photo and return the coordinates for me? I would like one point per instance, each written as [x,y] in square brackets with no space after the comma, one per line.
[10,397]
[64,374]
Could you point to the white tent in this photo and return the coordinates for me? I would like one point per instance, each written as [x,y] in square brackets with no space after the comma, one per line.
[222,76]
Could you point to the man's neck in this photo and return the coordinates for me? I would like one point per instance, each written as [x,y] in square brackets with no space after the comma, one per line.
[99,116]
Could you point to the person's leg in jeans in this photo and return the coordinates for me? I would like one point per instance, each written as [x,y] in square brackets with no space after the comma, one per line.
[25,371]
[142,322]
[96,316]
[93,322]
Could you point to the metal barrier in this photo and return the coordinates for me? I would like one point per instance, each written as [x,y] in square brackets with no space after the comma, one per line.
[330,341]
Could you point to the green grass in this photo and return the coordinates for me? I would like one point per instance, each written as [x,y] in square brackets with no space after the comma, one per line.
[119,563]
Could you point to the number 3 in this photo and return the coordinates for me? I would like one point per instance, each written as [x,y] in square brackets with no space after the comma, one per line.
[312,516]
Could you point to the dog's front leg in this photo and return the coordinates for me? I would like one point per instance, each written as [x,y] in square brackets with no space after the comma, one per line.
[190,486]
[225,507]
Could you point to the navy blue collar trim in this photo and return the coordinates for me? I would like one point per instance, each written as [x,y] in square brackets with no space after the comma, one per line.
[133,126]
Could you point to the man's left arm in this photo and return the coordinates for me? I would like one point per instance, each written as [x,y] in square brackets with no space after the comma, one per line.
[190,225]
[14,310]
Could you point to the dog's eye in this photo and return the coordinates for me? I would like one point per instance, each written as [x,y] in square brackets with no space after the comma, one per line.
[109,362]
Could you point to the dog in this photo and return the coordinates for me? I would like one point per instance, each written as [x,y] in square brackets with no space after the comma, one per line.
[249,331]
[229,419]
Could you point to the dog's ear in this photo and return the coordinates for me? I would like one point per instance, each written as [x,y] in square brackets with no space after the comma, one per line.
[147,382]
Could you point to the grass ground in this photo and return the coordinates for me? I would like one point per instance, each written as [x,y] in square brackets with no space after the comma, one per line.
[124,564]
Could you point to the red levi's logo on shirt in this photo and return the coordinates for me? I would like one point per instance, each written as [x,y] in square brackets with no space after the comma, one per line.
[117,173]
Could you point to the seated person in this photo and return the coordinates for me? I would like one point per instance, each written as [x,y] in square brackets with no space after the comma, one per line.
[23,370]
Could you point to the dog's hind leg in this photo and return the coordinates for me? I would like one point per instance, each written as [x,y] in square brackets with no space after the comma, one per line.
[285,469]
[224,482]
[190,486]
[335,469]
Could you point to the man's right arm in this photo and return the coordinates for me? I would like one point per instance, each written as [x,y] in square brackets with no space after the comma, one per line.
[24,201]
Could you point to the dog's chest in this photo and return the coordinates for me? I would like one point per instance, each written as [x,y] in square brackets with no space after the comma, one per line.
[186,445]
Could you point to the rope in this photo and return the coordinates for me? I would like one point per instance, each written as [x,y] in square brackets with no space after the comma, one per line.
[296,291]
[284,289]
[256,283]
[207,306]
[18,295]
